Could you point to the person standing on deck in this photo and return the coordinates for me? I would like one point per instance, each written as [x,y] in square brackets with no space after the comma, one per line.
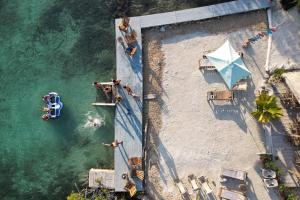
[116,82]
[129,90]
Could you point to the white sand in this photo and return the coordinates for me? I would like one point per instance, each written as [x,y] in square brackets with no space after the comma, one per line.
[197,137]
[285,49]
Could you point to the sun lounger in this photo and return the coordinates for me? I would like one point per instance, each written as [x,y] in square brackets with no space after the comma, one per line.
[241,86]
[268,174]
[137,173]
[231,195]
[235,174]
[131,188]
[204,185]
[140,174]
[193,181]
[220,95]
[204,64]
[135,162]
[183,191]
[270,183]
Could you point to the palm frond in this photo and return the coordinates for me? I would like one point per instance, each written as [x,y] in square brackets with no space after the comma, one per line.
[266,108]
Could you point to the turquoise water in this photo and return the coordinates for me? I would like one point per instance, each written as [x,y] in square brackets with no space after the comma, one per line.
[61,46]
[44,48]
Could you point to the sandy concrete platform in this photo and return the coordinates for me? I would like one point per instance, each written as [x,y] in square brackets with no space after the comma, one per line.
[196,136]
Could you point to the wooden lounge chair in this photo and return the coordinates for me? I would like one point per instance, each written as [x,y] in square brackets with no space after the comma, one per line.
[204,64]
[131,188]
[235,174]
[268,174]
[193,180]
[231,195]
[240,86]
[138,174]
[135,162]
[183,191]
[224,95]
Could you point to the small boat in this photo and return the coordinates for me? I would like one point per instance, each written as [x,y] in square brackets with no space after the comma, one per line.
[54,105]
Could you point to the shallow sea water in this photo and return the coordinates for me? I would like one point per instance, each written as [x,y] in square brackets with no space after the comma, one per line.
[61,46]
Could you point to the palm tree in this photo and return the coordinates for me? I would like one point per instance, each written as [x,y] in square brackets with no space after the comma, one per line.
[266,108]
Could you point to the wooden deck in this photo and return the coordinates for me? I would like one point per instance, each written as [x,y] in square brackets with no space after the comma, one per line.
[128,118]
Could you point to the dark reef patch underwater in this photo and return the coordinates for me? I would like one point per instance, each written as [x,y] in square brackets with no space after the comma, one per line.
[62,46]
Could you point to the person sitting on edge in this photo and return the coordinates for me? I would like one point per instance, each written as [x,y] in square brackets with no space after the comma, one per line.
[98,85]
[123,26]
[118,99]
[107,89]
[129,50]
[116,82]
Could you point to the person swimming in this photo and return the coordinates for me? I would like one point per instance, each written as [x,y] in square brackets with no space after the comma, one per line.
[46,98]
[45,117]
[45,109]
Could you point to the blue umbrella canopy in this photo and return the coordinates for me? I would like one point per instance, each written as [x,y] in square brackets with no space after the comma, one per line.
[229,64]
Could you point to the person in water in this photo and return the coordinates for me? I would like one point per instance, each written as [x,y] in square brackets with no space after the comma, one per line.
[45,109]
[98,85]
[107,89]
[45,117]
[46,98]
[118,99]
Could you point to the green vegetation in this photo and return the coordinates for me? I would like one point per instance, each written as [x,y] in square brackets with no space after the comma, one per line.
[102,194]
[272,166]
[282,188]
[277,74]
[98,194]
[291,196]
[285,192]
[266,108]
[75,196]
